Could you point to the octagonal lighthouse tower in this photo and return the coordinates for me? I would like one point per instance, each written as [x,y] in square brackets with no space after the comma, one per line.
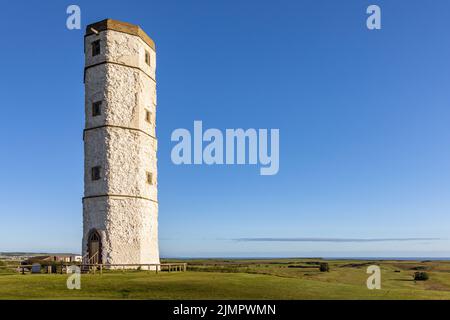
[120,207]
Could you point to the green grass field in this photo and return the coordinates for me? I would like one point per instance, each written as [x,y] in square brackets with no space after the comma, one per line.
[241,279]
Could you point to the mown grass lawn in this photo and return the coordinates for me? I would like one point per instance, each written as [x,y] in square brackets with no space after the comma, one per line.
[256,280]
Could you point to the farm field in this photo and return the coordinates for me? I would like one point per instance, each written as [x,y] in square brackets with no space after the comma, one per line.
[241,279]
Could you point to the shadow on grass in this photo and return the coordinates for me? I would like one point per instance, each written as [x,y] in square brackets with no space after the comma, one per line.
[408,280]
[125,293]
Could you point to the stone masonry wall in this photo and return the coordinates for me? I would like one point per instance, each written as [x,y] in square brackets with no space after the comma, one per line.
[122,206]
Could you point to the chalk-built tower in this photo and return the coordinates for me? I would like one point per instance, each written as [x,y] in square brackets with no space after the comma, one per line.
[120,207]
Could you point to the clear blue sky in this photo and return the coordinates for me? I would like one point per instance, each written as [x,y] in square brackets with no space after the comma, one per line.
[364,119]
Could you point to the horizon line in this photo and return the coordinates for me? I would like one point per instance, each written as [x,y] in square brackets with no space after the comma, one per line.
[332,239]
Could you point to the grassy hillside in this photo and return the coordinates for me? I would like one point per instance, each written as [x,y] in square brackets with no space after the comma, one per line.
[242,279]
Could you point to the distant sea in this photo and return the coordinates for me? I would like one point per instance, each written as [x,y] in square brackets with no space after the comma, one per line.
[388,258]
[325,258]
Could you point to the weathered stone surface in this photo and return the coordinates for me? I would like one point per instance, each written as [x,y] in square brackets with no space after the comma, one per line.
[122,206]
[125,157]
[119,221]
[120,48]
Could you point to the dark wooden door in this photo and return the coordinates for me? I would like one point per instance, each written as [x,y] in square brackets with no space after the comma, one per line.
[94,248]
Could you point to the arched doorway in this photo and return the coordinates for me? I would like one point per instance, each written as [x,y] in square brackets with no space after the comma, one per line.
[94,247]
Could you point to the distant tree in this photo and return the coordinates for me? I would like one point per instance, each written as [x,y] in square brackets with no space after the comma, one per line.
[324,267]
[421,276]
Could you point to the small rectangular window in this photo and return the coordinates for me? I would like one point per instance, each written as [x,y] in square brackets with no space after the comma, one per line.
[148,116]
[147,57]
[96,47]
[96,108]
[95,173]
[149,178]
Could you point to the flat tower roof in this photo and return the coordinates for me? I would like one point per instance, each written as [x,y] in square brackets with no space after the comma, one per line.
[125,27]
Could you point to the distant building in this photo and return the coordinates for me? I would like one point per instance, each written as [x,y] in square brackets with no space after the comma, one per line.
[66,258]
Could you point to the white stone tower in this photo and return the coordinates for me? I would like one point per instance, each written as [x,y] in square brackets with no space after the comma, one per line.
[120,207]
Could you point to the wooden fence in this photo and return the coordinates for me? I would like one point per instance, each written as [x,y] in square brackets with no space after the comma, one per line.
[159,267]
